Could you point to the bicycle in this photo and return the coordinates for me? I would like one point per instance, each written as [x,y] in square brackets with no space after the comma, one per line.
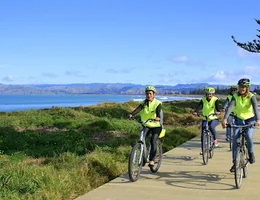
[242,157]
[208,142]
[139,155]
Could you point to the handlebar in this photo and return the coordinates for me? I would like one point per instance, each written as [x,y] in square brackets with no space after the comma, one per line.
[141,122]
[240,126]
[207,116]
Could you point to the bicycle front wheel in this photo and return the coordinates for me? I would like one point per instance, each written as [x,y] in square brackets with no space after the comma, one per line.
[158,157]
[205,148]
[231,139]
[212,145]
[135,162]
[245,166]
[239,168]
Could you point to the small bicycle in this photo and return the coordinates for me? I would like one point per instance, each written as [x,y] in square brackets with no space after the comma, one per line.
[140,154]
[242,157]
[208,143]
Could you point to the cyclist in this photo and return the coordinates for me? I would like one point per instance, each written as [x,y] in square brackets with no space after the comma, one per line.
[209,104]
[151,108]
[246,113]
[233,90]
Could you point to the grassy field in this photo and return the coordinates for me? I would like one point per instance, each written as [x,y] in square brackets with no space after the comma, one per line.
[61,153]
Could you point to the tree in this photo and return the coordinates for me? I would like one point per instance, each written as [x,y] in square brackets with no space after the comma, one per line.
[253,46]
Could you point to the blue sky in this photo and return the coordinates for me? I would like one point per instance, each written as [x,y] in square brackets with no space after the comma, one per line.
[127,41]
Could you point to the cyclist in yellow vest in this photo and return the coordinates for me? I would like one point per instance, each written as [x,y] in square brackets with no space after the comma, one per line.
[233,90]
[209,104]
[246,113]
[151,108]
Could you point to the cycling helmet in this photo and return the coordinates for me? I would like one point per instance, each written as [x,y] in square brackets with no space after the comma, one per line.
[233,87]
[210,90]
[244,82]
[150,88]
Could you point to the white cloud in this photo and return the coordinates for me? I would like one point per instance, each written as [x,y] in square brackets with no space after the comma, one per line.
[75,73]
[48,74]
[8,78]
[179,59]
[122,71]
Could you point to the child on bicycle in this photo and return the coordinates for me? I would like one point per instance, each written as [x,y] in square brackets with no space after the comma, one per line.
[151,108]
[209,104]
[233,90]
[246,113]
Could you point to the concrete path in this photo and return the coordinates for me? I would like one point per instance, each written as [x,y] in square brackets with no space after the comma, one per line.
[183,176]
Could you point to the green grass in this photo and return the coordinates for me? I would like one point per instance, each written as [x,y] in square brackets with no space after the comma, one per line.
[61,153]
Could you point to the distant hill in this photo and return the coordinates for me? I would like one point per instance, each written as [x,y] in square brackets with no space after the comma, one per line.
[104,88]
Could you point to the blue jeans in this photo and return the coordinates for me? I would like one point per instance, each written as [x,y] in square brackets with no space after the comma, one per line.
[228,129]
[212,125]
[249,136]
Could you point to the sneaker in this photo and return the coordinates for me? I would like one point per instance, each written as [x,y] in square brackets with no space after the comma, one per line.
[232,169]
[216,143]
[251,158]
[201,153]
[151,163]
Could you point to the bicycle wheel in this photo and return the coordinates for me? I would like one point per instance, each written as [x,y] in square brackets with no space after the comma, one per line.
[205,148]
[245,167]
[158,157]
[231,139]
[135,162]
[211,150]
[239,168]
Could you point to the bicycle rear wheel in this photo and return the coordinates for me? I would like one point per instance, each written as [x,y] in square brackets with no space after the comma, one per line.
[239,168]
[205,148]
[158,157]
[212,145]
[135,162]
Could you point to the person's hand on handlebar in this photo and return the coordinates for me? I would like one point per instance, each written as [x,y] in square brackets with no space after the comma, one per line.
[217,113]
[257,123]
[130,116]
[195,114]
[224,123]
[157,119]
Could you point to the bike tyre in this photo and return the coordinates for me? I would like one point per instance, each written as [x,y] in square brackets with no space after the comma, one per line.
[212,145]
[205,150]
[135,158]
[238,174]
[245,167]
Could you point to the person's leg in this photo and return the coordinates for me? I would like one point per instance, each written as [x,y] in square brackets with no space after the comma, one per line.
[249,140]
[155,133]
[212,125]
[228,129]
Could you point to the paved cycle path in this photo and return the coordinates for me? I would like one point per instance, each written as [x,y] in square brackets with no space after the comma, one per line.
[183,176]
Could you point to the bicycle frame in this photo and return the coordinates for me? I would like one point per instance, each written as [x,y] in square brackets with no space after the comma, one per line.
[241,163]
[140,154]
[207,138]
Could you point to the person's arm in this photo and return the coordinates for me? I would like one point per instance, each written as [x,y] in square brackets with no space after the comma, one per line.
[199,107]
[255,106]
[226,104]
[217,105]
[137,110]
[158,111]
[229,108]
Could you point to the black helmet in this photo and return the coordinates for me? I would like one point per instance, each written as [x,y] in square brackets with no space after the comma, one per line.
[244,82]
